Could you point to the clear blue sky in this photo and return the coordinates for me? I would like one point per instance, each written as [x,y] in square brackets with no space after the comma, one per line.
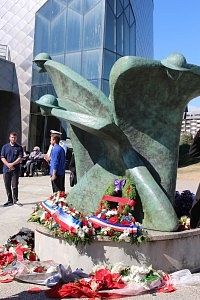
[177,29]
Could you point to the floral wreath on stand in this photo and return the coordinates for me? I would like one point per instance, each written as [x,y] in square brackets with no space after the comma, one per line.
[114,216]
[113,219]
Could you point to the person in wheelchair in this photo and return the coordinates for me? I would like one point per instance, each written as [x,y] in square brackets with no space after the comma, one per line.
[34,159]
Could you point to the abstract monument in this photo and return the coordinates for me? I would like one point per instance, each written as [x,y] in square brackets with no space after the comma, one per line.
[134,132]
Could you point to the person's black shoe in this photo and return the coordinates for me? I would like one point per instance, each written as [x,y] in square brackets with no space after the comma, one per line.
[7,204]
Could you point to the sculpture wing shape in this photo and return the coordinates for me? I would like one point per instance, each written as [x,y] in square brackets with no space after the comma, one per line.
[77,94]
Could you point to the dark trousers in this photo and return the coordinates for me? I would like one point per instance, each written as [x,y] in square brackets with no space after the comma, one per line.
[58,184]
[11,181]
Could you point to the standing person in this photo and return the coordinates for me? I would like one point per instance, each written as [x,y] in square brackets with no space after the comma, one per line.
[61,143]
[11,156]
[57,164]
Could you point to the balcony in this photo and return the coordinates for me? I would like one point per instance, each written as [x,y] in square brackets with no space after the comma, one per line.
[4,52]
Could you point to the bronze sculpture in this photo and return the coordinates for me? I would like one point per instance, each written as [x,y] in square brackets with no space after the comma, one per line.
[135,132]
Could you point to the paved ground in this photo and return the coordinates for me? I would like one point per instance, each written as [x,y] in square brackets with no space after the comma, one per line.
[32,190]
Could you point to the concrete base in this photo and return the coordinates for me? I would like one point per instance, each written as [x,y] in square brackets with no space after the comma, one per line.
[165,251]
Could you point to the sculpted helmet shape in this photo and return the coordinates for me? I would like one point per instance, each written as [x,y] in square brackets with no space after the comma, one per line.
[176,61]
[48,101]
[41,58]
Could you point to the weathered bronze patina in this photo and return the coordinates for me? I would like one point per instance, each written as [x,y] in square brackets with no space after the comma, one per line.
[135,132]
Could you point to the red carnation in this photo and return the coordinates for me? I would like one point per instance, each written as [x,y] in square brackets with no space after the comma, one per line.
[128,190]
[47,216]
[113,220]
[125,222]
[84,222]
[32,256]
[63,194]
[110,232]
[103,216]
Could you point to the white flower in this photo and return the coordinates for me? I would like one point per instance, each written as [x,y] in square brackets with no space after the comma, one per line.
[126,279]
[124,235]
[80,233]
[12,250]
[97,268]
[118,268]
[42,217]
[134,270]
[94,285]
[111,213]
[85,229]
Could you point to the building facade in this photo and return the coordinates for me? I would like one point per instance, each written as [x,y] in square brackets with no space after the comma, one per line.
[88,36]
[16,53]
[191,123]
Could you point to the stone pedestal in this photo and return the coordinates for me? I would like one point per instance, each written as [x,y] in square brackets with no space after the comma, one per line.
[166,251]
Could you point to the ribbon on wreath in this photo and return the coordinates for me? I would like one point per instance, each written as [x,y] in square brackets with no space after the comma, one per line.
[118,227]
[66,221]
[119,199]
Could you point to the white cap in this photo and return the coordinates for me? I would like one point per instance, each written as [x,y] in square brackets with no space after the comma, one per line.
[55,132]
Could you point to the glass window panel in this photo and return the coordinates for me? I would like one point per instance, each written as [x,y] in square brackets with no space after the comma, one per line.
[126,3]
[132,17]
[126,39]
[46,10]
[91,64]
[118,56]
[127,14]
[58,26]
[105,87]
[96,83]
[112,5]
[51,90]
[73,61]
[42,32]
[133,40]
[92,33]
[57,7]
[109,60]
[110,37]
[119,8]
[38,91]
[37,77]
[58,58]
[76,5]
[88,4]
[120,35]
[74,27]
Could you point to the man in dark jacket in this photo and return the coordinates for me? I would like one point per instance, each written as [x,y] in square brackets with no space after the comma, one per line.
[11,156]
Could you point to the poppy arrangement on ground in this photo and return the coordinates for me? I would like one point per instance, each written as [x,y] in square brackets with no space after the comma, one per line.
[114,217]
